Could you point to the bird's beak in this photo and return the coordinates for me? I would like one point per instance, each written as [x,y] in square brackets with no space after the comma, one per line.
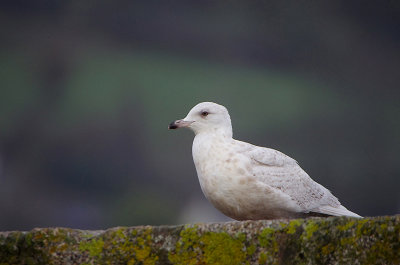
[179,124]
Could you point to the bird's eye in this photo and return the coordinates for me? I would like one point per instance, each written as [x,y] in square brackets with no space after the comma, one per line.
[204,113]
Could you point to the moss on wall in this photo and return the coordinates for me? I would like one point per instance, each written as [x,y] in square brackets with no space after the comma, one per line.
[335,240]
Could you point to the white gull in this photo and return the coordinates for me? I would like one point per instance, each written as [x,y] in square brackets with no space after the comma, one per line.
[248,182]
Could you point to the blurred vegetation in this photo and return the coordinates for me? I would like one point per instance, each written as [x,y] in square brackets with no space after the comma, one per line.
[88,89]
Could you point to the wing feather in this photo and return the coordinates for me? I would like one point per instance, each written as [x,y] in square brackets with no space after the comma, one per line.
[283,173]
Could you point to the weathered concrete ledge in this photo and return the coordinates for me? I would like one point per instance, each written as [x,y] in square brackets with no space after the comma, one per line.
[338,240]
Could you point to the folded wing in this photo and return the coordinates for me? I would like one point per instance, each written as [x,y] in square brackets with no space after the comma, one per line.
[283,173]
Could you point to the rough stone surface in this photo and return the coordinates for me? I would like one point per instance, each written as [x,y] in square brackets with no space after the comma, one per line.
[335,240]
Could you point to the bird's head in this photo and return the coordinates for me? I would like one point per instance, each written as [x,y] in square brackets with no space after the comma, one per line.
[206,117]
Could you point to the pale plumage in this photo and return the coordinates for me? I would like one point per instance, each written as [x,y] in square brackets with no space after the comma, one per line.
[248,182]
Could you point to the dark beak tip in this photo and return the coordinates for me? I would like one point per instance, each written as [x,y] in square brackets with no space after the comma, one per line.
[172,126]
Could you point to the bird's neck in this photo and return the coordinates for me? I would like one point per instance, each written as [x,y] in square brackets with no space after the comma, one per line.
[219,132]
[203,142]
[204,146]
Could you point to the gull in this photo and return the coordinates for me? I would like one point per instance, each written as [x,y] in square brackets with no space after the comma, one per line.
[249,182]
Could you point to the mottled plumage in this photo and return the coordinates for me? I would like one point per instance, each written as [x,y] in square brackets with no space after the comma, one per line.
[248,182]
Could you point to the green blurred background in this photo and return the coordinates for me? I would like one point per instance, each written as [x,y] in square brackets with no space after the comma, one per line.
[89,87]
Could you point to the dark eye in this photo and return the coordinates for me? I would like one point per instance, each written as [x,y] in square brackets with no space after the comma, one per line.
[204,113]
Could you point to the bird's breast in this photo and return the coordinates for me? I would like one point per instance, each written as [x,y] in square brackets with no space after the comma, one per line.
[215,158]
[222,173]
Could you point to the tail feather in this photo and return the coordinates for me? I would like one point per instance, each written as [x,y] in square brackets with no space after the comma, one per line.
[335,211]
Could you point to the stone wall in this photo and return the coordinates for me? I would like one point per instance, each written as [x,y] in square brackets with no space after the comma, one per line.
[335,240]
